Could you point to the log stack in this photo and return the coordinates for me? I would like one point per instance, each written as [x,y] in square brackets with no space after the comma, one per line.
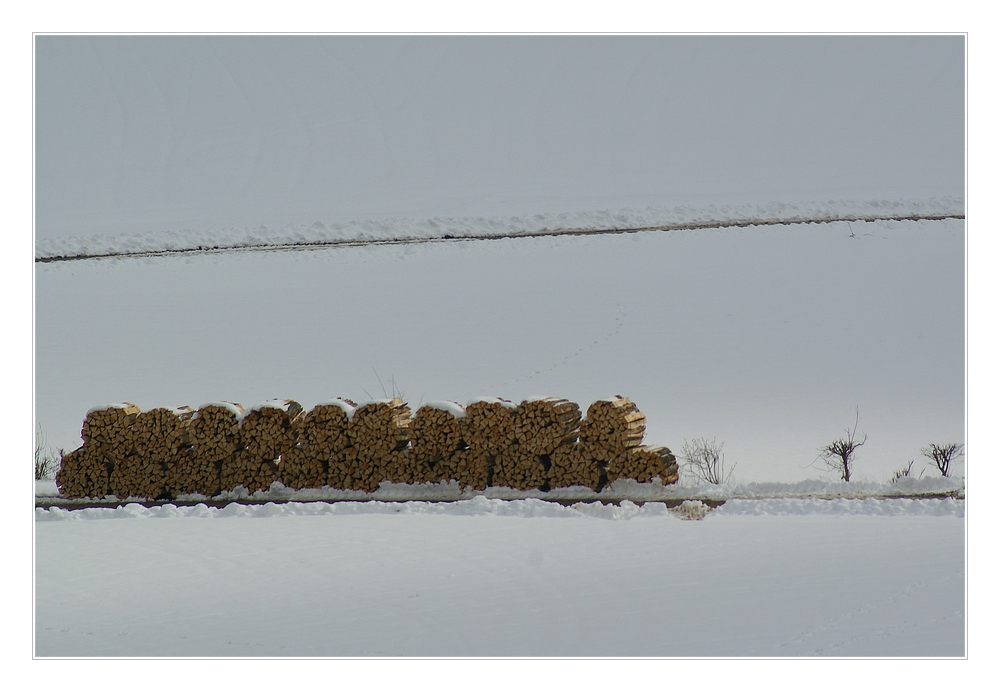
[643,464]
[541,426]
[378,431]
[612,427]
[267,432]
[541,443]
[437,435]
[616,424]
[215,438]
[322,441]
[571,465]
[83,473]
[107,431]
[488,431]
[158,436]
[190,474]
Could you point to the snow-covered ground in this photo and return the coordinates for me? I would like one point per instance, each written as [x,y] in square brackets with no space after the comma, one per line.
[503,578]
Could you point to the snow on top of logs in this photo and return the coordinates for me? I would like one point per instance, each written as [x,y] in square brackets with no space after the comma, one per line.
[491,400]
[237,409]
[344,406]
[105,407]
[377,401]
[282,404]
[450,406]
[531,399]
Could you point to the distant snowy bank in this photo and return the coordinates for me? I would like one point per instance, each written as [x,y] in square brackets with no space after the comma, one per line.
[441,227]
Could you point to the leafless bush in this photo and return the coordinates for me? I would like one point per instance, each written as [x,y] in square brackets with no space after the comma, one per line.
[46,460]
[902,473]
[942,456]
[703,459]
[839,455]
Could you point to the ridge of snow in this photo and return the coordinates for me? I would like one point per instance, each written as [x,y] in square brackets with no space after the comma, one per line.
[526,508]
[459,227]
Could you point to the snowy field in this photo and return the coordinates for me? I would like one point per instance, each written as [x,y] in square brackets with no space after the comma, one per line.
[495,578]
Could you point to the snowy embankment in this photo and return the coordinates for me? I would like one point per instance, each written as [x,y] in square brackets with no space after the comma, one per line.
[405,229]
[503,578]
[483,506]
[619,491]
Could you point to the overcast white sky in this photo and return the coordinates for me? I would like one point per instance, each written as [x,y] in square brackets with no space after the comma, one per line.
[146,133]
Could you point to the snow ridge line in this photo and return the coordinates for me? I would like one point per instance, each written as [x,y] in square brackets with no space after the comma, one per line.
[307,245]
[528,508]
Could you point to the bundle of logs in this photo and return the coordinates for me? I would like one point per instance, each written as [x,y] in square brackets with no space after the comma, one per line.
[542,443]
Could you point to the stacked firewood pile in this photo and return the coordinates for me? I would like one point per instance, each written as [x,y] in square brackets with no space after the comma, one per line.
[541,443]
[107,440]
[379,432]
[215,437]
[437,438]
[319,458]
[158,438]
[267,433]
[541,426]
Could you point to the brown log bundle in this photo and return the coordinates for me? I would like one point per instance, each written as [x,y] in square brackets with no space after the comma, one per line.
[376,430]
[107,430]
[158,436]
[571,465]
[380,427]
[268,430]
[398,467]
[243,468]
[83,473]
[643,464]
[298,469]
[322,432]
[489,425]
[471,467]
[355,471]
[190,473]
[162,432]
[215,430]
[520,469]
[437,434]
[138,476]
[543,424]
[615,424]
[322,442]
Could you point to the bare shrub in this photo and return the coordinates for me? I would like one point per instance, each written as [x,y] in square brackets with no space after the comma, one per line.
[839,455]
[902,473]
[46,460]
[942,456]
[703,459]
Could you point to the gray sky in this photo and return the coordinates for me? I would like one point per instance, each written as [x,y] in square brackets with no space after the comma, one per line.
[145,133]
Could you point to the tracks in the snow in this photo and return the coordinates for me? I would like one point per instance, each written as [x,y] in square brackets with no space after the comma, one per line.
[302,246]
